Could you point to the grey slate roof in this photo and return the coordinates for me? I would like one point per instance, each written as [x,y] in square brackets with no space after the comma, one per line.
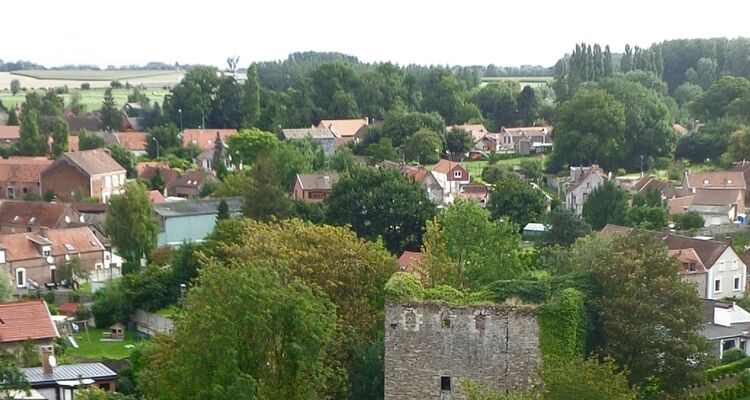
[317,181]
[196,207]
[716,210]
[69,372]
[713,331]
[303,133]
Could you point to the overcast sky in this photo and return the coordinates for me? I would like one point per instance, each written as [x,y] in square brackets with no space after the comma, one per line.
[467,32]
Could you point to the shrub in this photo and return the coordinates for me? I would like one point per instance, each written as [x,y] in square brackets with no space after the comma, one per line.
[403,287]
[53,309]
[733,355]
[49,297]
[728,369]
[85,86]
[444,293]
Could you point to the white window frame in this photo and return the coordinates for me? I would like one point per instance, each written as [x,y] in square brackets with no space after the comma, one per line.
[715,282]
[22,283]
[99,266]
[458,174]
[721,266]
[107,181]
[735,265]
[737,283]
[10,192]
[115,180]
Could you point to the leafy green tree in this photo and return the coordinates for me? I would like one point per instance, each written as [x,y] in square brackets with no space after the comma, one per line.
[296,157]
[11,376]
[251,97]
[589,129]
[157,181]
[465,248]
[164,136]
[6,289]
[586,379]
[532,169]
[607,204]
[424,147]
[343,160]
[111,304]
[564,227]
[90,141]
[687,221]
[193,98]
[123,157]
[718,100]
[59,137]
[30,143]
[528,106]
[686,93]
[517,200]
[12,118]
[130,224]
[266,198]
[222,346]
[381,204]
[110,113]
[497,104]
[235,184]
[399,125]
[15,87]
[650,197]
[185,262]
[247,144]
[99,394]
[649,320]
[739,144]
[494,173]
[458,142]
[382,150]
[647,217]
[223,211]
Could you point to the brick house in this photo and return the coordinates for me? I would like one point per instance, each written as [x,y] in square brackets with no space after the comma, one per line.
[30,216]
[91,173]
[20,176]
[26,320]
[205,139]
[450,175]
[190,184]
[9,134]
[32,259]
[313,188]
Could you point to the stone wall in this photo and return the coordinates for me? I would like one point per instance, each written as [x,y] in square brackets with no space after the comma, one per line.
[430,348]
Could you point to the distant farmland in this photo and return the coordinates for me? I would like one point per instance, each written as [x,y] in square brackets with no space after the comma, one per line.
[92,98]
[95,75]
[45,79]
[533,81]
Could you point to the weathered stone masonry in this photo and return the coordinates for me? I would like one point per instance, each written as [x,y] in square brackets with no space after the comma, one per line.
[431,347]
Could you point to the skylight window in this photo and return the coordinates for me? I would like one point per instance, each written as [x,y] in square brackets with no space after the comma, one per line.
[69,247]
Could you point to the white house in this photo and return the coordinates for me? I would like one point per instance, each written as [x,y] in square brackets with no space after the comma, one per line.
[583,181]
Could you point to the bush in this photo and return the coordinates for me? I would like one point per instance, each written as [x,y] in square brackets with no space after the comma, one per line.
[733,355]
[82,313]
[111,304]
[115,84]
[85,86]
[444,293]
[49,297]
[728,369]
[53,309]
[403,287]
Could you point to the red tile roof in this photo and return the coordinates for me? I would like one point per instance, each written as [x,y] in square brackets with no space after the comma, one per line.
[20,246]
[156,197]
[22,169]
[409,259]
[10,132]
[35,213]
[133,141]
[204,138]
[26,320]
[73,143]
[343,127]
[444,166]
[91,162]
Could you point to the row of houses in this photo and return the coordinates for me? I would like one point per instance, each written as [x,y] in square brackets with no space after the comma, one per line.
[718,196]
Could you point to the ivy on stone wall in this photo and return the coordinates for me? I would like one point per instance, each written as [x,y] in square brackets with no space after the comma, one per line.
[563,325]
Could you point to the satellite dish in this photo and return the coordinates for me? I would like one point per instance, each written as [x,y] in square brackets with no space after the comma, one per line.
[67,219]
[52,361]
[50,260]
[81,219]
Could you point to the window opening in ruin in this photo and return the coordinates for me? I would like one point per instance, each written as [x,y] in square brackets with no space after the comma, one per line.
[394,326]
[479,322]
[445,383]
[446,323]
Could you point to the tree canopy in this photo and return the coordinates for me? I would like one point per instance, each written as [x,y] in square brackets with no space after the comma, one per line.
[130,223]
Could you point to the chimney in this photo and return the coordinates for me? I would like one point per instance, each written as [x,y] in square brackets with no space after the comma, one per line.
[728,240]
[43,231]
[47,353]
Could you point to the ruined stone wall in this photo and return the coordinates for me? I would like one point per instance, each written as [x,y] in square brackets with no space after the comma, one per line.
[430,346]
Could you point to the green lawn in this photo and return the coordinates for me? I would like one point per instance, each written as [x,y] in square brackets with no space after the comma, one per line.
[92,98]
[92,75]
[533,81]
[91,347]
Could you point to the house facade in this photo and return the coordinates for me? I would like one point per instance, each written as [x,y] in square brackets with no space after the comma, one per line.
[451,176]
[61,382]
[33,259]
[89,173]
[584,180]
[428,182]
[313,188]
[726,326]
[21,176]
[190,184]
[189,220]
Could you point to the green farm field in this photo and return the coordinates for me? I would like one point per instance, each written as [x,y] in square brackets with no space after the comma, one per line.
[93,75]
[91,98]
[533,81]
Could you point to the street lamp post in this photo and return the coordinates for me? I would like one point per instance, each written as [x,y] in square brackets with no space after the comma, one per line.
[179,110]
[157,145]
